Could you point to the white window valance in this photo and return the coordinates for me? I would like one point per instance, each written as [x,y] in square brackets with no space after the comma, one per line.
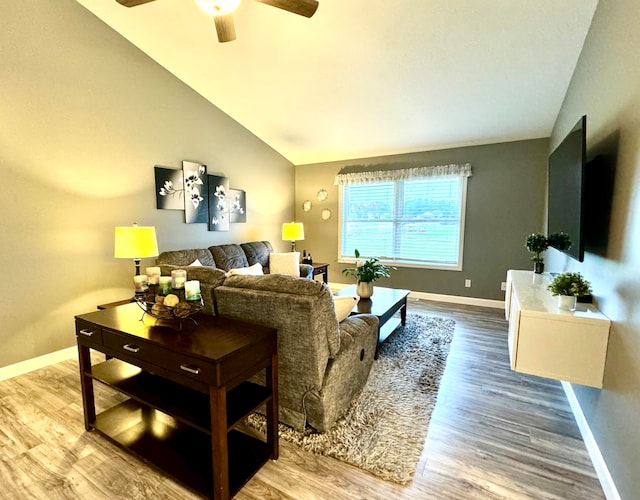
[343,177]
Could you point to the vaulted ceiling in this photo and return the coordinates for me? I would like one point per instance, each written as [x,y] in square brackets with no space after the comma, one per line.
[371,77]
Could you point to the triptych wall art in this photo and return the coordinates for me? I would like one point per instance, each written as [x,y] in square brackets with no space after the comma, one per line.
[204,198]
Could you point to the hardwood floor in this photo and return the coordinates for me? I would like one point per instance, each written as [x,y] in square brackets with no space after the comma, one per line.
[495,434]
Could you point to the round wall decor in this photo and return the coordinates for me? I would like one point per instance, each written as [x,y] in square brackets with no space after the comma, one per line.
[326,214]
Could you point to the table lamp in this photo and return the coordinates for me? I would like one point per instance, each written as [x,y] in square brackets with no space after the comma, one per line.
[293,231]
[135,242]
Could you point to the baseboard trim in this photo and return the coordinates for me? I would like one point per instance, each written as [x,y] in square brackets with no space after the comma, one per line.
[437,297]
[10,371]
[608,486]
[456,299]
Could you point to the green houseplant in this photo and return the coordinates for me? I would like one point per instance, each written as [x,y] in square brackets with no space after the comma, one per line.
[536,244]
[366,273]
[568,287]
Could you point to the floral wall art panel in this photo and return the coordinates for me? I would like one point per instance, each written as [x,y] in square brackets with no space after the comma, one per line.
[196,202]
[238,206]
[219,203]
[169,188]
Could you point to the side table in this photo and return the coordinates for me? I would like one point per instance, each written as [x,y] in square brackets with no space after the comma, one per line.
[321,268]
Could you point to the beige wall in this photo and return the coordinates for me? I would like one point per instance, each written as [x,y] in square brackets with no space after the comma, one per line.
[505,202]
[84,117]
[605,87]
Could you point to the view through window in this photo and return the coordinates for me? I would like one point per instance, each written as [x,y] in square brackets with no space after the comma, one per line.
[414,222]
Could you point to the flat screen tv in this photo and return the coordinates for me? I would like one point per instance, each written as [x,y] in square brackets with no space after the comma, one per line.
[566,189]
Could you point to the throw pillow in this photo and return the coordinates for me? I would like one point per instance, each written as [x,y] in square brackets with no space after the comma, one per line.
[196,263]
[255,270]
[344,305]
[285,263]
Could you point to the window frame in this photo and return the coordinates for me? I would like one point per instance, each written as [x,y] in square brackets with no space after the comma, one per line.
[350,259]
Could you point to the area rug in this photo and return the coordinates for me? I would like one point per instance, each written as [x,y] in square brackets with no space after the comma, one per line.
[384,429]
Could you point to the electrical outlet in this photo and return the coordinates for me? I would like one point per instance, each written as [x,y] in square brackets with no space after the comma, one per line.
[467,283]
[503,286]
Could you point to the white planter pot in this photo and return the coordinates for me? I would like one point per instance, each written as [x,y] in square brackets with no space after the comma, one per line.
[364,289]
[567,302]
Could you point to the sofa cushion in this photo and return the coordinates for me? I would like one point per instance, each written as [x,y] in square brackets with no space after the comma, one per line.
[257,252]
[255,270]
[229,256]
[186,257]
[285,263]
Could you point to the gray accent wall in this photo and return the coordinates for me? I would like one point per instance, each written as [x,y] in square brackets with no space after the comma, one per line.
[605,87]
[84,117]
[505,202]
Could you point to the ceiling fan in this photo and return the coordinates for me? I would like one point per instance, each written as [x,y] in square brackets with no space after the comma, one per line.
[222,10]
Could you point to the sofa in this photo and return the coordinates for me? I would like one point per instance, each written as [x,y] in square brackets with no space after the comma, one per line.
[211,265]
[323,363]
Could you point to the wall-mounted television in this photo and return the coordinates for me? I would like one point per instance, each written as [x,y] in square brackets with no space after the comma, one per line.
[566,195]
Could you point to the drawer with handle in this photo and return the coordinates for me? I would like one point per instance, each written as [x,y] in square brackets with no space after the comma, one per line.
[88,332]
[149,352]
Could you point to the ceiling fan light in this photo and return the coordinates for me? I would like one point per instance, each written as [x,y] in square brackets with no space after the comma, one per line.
[218,7]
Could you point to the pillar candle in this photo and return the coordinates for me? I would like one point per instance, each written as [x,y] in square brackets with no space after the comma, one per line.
[178,278]
[140,283]
[192,290]
[153,273]
[165,285]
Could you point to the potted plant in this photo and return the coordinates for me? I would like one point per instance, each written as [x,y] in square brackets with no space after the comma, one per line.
[568,287]
[536,244]
[366,273]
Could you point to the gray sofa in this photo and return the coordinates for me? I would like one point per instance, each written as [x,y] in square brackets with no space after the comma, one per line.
[216,261]
[322,364]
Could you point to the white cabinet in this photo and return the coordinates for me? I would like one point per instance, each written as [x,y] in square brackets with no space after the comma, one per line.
[546,341]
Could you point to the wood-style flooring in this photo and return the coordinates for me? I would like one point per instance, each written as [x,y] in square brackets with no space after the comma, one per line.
[495,434]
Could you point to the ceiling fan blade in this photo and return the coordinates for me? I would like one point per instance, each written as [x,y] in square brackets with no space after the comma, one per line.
[132,3]
[225,28]
[306,8]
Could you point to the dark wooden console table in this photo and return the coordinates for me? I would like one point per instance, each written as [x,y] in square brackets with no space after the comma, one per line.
[187,391]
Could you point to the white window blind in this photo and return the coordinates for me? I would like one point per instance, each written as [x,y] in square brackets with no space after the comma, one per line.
[405,220]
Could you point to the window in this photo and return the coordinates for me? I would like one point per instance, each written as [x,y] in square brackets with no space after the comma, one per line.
[414,221]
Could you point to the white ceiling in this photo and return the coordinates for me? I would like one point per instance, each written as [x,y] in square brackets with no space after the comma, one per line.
[371,77]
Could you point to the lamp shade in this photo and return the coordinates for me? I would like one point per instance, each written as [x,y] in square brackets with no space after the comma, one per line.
[292,231]
[135,242]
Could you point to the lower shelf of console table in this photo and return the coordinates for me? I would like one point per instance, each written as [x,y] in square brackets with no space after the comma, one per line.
[152,425]
[180,396]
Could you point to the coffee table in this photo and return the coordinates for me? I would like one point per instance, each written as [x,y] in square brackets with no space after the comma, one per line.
[384,303]
[187,392]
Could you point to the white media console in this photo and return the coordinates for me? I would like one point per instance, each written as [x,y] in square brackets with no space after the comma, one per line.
[549,342]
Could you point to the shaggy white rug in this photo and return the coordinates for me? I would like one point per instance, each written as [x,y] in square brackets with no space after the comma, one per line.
[384,429]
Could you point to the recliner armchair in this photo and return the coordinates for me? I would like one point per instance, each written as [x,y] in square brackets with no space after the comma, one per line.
[322,364]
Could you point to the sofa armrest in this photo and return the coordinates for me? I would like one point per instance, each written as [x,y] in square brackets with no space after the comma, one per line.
[358,329]
[306,271]
[346,372]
